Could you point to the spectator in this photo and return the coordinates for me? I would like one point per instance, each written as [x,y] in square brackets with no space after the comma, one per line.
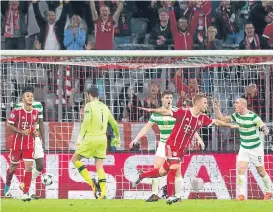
[32,25]
[51,31]
[253,41]
[161,36]
[257,16]
[75,34]
[129,101]
[182,33]
[199,13]
[14,26]
[226,23]
[154,99]
[105,25]
[122,30]
[209,43]
[254,103]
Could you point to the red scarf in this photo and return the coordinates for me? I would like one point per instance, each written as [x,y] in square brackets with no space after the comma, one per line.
[256,41]
[11,26]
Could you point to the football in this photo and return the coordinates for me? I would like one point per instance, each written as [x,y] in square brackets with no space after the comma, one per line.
[47,179]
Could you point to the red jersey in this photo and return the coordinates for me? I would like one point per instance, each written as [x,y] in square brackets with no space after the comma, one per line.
[104,32]
[23,120]
[185,127]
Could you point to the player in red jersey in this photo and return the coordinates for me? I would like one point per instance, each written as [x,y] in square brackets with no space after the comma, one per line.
[188,121]
[22,123]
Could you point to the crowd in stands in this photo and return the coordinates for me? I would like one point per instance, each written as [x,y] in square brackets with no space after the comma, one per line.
[107,25]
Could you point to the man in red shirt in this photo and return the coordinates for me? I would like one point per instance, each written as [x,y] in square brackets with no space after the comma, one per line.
[188,121]
[104,25]
[22,122]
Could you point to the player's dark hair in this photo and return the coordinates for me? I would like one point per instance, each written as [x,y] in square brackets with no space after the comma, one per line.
[197,97]
[28,89]
[167,92]
[93,91]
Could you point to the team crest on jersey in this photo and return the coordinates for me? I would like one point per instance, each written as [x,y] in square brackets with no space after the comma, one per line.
[199,122]
[12,115]
[34,117]
[174,154]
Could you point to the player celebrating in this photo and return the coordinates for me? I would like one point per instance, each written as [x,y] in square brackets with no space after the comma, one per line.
[92,140]
[188,121]
[251,147]
[165,124]
[22,122]
[39,146]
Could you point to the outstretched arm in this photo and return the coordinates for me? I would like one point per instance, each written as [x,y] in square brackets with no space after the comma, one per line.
[220,123]
[161,111]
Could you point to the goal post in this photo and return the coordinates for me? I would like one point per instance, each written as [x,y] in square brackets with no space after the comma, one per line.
[129,79]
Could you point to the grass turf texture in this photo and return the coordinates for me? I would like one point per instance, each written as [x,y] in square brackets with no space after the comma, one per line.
[45,205]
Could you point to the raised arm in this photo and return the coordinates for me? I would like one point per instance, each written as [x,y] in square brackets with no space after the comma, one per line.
[142,132]
[118,11]
[39,18]
[93,10]
[219,114]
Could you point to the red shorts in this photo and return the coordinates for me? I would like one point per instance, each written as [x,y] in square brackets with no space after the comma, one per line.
[25,154]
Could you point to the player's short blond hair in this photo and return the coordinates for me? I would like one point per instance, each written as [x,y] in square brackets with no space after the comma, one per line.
[198,97]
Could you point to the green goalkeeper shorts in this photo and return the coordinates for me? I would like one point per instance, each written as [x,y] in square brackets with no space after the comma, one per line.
[93,149]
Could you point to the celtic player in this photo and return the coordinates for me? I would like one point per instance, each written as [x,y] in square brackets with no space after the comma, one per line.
[251,147]
[92,140]
[165,125]
[39,144]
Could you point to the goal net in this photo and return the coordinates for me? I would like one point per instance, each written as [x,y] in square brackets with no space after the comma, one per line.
[127,80]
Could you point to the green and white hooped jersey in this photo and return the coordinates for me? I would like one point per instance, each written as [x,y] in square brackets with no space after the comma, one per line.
[249,129]
[36,106]
[165,124]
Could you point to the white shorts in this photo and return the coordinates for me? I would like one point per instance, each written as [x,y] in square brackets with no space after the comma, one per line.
[161,152]
[255,155]
[38,151]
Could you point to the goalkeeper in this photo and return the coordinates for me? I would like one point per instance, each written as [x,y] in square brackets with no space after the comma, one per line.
[92,140]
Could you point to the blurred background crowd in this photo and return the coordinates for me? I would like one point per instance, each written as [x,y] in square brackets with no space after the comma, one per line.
[106,25]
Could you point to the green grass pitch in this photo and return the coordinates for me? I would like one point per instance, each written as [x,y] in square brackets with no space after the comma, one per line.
[64,205]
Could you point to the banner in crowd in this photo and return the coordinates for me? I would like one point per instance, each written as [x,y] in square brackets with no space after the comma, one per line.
[218,172]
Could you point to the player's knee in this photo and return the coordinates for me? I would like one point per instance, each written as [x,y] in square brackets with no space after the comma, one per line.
[241,169]
[39,167]
[13,167]
[28,168]
[261,171]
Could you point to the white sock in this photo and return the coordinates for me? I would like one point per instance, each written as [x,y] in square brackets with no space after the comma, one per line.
[35,174]
[267,183]
[241,184]
[178,186]
[155,185]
